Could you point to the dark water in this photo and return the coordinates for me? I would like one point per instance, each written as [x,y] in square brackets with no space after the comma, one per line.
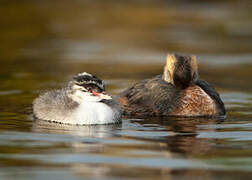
[44,43]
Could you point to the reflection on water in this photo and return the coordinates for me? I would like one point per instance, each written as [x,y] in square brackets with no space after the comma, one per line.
[175,135]
[98,131]
[44,43]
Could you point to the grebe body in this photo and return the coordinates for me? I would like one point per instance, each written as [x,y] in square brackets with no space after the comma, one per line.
[178,92]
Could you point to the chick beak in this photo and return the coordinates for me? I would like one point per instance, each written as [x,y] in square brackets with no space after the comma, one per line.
[102,95]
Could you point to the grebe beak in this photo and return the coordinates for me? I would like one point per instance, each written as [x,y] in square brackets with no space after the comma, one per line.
[102,95]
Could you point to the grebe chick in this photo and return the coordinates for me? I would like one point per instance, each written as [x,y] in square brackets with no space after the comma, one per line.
[178,92]
[84,102]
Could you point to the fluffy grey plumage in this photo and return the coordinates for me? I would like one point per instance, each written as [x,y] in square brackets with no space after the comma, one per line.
[83,101]
[54,105]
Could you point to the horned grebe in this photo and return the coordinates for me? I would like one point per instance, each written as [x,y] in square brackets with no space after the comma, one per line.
[178,92]
[83,101]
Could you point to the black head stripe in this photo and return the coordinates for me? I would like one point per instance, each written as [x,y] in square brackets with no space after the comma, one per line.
[86,79]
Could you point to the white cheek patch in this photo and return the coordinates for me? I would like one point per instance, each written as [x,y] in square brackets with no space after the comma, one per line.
[80,96]
[80,88]
[86,96]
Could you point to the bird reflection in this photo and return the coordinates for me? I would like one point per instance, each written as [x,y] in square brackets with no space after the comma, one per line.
[82,139]
[183,134]
[98,131]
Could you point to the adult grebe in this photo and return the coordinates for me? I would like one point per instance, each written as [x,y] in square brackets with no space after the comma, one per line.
[178,92]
